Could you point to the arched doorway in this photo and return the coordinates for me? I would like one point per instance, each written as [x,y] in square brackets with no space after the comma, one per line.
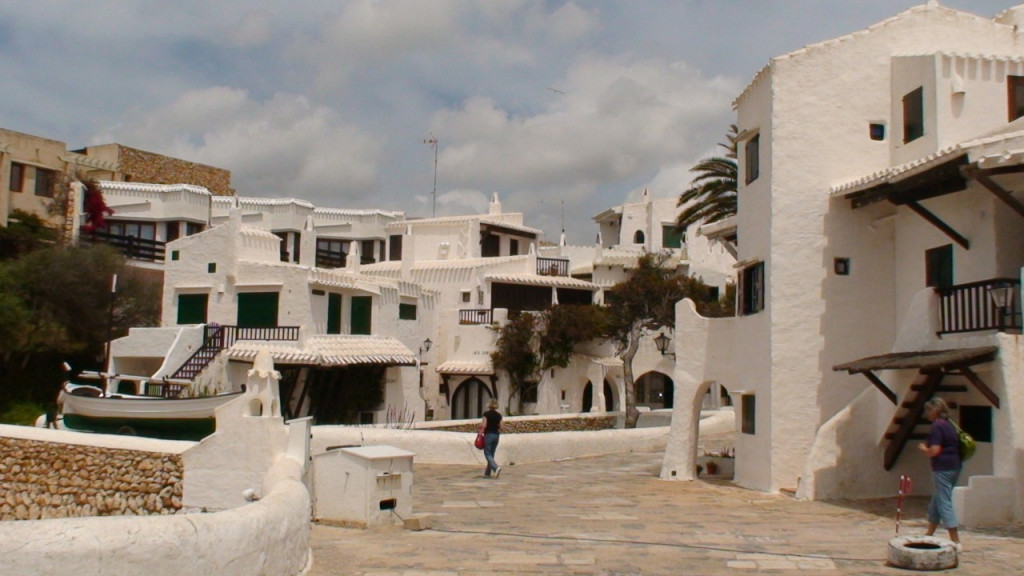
[654,390]
[588,397]
[470,399]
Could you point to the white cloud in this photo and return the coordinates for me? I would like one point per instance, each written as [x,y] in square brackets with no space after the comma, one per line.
[285,146]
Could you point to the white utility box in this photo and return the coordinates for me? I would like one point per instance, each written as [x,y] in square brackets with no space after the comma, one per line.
[362,486]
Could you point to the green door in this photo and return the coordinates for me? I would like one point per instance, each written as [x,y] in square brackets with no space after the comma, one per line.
[334,313]
[257,309]
[361,314]
[192,308]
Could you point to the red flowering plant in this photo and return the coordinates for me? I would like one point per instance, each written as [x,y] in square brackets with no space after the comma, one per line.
[96,210]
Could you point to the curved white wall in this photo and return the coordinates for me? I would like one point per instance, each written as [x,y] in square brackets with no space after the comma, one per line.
[268,537]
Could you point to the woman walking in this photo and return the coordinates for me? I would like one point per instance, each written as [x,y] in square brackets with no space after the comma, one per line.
[491,427]
[943,448]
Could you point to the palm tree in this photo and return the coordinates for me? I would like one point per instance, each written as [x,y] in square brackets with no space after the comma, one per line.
[712,194]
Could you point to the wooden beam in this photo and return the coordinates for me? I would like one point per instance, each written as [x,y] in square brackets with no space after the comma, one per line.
[942,226]
[1000,192]
[980,385]
[881,386]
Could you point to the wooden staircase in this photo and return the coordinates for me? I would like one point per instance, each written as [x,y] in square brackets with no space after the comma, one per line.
[910,413]
[213,343]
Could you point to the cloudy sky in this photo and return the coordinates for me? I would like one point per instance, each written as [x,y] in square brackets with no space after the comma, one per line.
[564,108]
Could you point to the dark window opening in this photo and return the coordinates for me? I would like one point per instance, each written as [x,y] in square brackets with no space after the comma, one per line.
[1015,93]
[913,115]
[939,267]
[638,237]
[513,247]
[748,406]
[977,421]
[841,266]
[257,309]
[752,289]
[671,237]
[395,247]
[17,183]
[192,308]
[752,153]
[490,246]
[45,180]
[877,131]
[334,302]
[406,311]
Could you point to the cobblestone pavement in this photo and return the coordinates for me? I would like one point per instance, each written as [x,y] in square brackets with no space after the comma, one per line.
[612,516]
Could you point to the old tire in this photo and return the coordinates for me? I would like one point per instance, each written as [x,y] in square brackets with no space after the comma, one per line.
[922,553]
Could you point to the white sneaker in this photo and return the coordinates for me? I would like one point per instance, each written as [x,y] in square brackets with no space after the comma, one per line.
[497,472]
[958,547]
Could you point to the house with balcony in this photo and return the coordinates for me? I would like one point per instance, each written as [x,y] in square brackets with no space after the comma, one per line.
[348,345]
[880,209]
[32,167]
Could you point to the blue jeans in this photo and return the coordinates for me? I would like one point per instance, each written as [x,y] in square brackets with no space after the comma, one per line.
[490,445]
[941,505]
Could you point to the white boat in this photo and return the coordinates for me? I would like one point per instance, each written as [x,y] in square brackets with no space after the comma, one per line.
[86,408]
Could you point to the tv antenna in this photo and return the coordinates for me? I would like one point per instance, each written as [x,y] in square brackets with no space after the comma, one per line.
[433,193]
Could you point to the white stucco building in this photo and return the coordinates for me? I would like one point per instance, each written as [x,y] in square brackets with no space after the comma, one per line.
[878,221]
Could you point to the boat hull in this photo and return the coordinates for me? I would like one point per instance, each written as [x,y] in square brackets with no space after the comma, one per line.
[168,418]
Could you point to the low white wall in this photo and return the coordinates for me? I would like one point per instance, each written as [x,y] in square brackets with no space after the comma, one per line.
[434,447]
[268,537]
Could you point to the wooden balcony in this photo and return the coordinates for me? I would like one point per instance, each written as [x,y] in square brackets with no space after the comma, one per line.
[972,307]
[480,316]
[130,246]
[552,267]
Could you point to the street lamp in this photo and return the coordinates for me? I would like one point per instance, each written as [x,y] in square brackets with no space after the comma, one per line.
[1001,293]
[425,347]
[662,342]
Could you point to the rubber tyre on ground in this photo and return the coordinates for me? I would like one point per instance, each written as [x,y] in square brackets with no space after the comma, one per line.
[922,553]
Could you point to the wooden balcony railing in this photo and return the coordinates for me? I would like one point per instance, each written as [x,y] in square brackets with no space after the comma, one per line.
[217,338]
[552,267]
[972,307]
[483,316]
[130,246]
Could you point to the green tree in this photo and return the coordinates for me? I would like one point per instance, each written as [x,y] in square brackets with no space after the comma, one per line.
[643,304]
[24,233]
[57,303]
[532,342]
[712,193]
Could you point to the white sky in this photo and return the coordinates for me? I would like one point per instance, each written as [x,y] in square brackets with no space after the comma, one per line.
[563,108]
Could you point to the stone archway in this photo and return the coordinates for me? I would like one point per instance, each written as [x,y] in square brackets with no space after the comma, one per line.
[610,398]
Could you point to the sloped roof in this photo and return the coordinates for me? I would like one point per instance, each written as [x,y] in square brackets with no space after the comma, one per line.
[330,350]
[920,360]
[537,280]
[483,219]
[466,367]
[145,187]
[1000,146]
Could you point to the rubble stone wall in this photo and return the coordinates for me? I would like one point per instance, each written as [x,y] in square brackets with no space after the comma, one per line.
[55,480]
[142,166]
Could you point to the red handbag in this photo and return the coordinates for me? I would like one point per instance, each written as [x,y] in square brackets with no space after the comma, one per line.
[479,442]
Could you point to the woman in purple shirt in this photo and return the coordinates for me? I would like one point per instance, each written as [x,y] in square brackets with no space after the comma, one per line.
[943,447]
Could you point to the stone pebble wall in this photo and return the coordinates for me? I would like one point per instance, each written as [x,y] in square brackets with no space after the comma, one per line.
[546,425]
[144,166]
[51,480]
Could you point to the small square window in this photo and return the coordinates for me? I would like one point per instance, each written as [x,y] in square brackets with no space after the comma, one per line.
[842,266]
[406,311]
[211,267]
[877,131]
[466,296]
[175,254]
[977,421]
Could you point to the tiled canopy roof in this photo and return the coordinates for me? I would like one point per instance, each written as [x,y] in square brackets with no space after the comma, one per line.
[536,280]
[328,350]
[466,367]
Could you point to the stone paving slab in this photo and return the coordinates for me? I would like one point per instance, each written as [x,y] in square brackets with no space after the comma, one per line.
[612,516]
